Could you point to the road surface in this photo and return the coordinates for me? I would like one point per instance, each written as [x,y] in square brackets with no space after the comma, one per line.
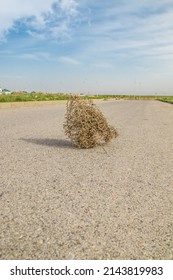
[111,202]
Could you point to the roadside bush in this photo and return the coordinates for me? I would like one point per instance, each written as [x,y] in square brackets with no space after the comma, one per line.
[85,124]
[18,98]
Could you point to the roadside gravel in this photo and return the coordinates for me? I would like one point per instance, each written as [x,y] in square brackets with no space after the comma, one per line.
[111,202]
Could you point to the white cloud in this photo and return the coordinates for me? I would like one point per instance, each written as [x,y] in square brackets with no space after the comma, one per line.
[37,15]
[34,56]
[69,60]
[69,6]
[11,11]
[134,28]
[103,65]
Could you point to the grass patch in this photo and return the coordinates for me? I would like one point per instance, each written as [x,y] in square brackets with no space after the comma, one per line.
[168,99]
[25,97]
[40,96]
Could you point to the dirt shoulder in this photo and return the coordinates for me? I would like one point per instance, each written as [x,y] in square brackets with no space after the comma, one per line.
[5,105]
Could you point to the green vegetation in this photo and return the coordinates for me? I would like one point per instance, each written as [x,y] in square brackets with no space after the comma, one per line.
[40,96]
[168,99]
[36,96]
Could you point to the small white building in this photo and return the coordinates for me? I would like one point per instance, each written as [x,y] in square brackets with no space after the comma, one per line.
[6,91]
[0,90]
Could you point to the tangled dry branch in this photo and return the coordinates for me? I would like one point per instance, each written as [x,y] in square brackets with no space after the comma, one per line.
[85,124]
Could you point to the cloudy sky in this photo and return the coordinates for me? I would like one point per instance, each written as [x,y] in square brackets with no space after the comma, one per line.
[115,46]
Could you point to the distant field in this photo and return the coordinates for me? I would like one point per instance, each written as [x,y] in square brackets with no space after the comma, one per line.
[39,96]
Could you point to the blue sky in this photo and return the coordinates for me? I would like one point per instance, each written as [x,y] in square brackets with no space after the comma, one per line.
[111,47]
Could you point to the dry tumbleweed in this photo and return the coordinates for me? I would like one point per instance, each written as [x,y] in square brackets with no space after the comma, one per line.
[85,124]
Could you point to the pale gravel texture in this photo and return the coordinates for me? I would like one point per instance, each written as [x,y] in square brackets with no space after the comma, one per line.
[59,202]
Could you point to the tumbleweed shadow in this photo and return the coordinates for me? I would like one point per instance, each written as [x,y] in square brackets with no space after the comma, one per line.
[59,143]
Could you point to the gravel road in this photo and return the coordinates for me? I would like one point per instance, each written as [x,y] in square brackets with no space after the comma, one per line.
[111,202]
